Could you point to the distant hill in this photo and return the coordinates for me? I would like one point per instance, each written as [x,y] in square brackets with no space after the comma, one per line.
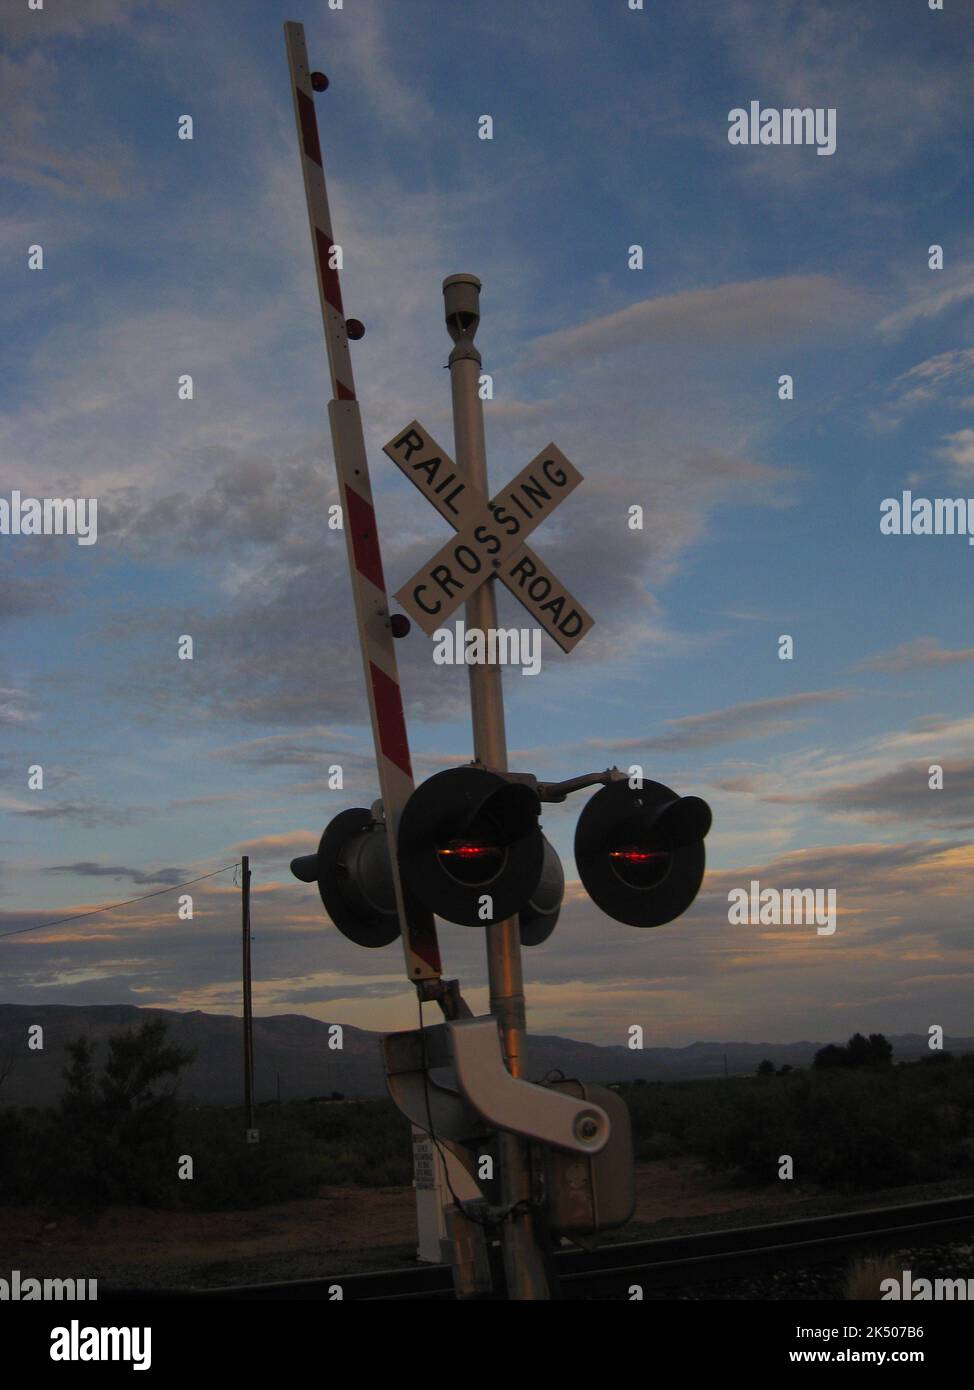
[296,1048]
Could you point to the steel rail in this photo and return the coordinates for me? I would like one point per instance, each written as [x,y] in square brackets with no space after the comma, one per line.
[671,1261]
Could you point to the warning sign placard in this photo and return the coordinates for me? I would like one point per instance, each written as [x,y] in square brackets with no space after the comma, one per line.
[490,537]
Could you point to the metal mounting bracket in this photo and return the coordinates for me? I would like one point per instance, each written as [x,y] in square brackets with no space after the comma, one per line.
[409,1057]
[505,1102]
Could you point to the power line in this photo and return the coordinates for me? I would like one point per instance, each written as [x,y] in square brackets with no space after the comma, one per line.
[110,907]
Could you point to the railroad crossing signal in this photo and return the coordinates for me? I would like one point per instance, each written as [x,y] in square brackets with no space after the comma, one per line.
[639,851]
[467,839]
[470,846]
[490,537]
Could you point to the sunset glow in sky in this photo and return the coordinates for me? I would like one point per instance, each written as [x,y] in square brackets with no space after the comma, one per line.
[762,516]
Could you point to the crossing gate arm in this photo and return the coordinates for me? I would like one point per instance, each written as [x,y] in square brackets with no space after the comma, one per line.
[376,641]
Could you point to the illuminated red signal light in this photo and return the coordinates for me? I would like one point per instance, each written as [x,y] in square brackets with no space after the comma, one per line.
[638,856]
[465,850]
[638,866]
[471,861]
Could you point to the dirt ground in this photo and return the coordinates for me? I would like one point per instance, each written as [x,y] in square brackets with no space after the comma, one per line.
[343,1230]
[342,1221]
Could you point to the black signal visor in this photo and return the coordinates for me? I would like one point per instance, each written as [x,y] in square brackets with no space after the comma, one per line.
[639,851]
[467,832]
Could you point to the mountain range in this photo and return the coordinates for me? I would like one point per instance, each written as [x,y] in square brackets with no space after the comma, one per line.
[294,1050]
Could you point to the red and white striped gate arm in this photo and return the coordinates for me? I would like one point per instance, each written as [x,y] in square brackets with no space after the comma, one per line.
[361,534]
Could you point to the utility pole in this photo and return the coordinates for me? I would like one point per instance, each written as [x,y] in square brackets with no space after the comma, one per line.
[248,1020]
[526,1278]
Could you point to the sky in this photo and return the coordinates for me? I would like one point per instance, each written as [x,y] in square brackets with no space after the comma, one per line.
[165,256]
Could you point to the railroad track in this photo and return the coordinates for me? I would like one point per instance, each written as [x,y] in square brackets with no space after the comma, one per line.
[677,1262]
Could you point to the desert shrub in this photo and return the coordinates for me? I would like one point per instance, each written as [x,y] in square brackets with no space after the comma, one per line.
[846,1128]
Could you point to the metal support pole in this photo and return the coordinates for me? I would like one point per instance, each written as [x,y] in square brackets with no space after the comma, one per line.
[248,1018]
[526,1277]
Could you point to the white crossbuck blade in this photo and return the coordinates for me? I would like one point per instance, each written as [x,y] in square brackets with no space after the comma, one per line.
[490,537]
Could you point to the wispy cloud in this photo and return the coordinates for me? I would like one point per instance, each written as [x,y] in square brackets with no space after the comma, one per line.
[935,380]
[15,706]
[105,168]
[958,449]
[72,21]
[755,719]
[762,311]
[947,289]
[903,794]
[86,869]
[920,653]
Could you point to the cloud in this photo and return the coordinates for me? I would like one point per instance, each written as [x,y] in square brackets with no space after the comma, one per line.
[959,450]
[213,800]
[281,750]
[15,706]
[279,849]
[21,596]
[903,794]
[755,719]
[933,734]
[89,870]
[372,60]
[249,503]
[758,311]
[933,380]
[104,170]
[948,288]
[89,812]
[921,653]
[21,24]
[859,870]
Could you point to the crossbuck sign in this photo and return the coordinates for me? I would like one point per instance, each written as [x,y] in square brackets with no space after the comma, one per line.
[490,537]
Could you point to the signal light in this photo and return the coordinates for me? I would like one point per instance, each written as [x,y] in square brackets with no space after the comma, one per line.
[354,876]
[640,852]
[471,861]
[467,833]
[640,868]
